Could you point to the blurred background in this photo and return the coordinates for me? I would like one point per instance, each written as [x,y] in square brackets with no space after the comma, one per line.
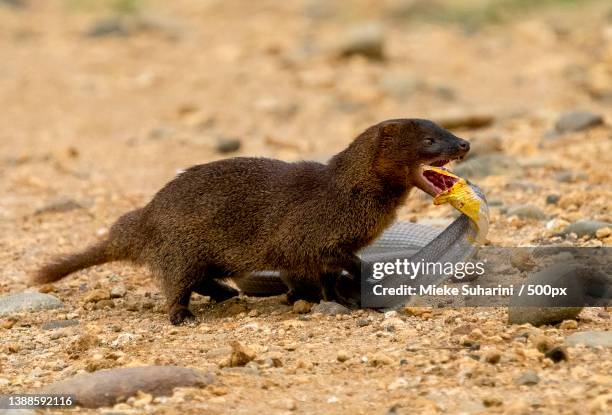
[104,100]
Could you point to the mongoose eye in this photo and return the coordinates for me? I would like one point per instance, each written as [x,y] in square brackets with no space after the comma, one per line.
[428,141]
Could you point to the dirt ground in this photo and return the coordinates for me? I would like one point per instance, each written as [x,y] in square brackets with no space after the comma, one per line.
[94,125]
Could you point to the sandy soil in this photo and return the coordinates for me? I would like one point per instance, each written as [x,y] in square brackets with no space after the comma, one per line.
[106,121]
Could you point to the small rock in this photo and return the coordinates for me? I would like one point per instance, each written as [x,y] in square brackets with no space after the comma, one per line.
[399,383]
[330,308]
[59,206]
[241,355]
[366,40]
[105,387]
[590,338]
[543,343]
[522,260]
[301,307]
[585,227]
[568,325]
[485,145]
[417,311]
[603,232]
[492,356]
[118,291]
[556,225]
[490,401]
[362,322]
[109,26]
[21,302]
[528,378]
[557,354]
[526,212]
[567,176]
[343,355]
[59,324]
[577,120]
[552,199]
[381,359]
[96,295]
[102,304]
[228,145]
[17,4]
[465,120]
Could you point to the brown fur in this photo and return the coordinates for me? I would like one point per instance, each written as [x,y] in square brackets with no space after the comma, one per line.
[235,216]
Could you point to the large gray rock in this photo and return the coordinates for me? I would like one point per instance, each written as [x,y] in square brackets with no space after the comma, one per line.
[106,387]
[585,227]
[17,303]
[540,310]
[590,338]
[577,120]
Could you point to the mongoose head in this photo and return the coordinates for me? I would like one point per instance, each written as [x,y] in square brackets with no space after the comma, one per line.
[407,146]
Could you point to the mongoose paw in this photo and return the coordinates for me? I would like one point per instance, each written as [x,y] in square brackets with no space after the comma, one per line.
[181,315]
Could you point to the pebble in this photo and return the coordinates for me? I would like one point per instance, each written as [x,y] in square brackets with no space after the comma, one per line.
[58,324]
[59,206]
[528,378]
[577,120]
[568,325]
[485,145]
[109,26]
[365,40]
[552,199]
[465,120]
[343,355]
[228,145]
[527,211]
[585,227]
[330,308]
[590,338]
[522,260]
[602,233]
[557,354]
[104,387]
[96,295]
[543,343]
[556,225]
[381,359]
[16,303]
[492,356]
[118,291]
[241,355]
[301,307]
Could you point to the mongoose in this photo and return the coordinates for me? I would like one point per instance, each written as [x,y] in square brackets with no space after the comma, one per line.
[231,217]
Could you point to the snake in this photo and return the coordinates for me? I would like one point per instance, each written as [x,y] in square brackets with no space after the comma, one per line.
[412,241]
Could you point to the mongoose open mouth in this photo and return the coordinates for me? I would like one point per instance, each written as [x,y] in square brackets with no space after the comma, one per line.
[434,179]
